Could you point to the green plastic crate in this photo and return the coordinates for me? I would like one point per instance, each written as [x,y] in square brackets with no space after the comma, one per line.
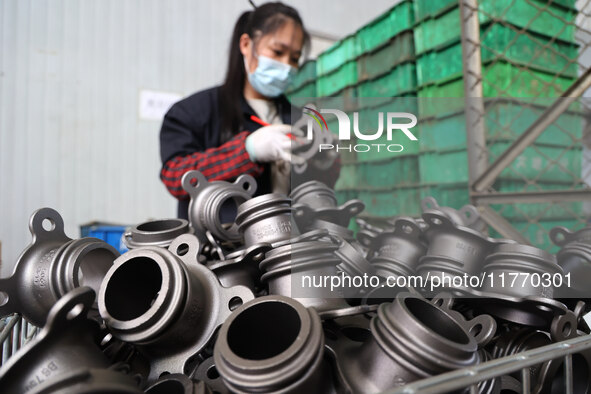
[348,177]
[391,202]
[453,195]
[345,195]
[501,42]
[338,54]
[499,79]
[306,73]
[530,211]
[398,50]
[456,195]
[368,122]
[536,16]
[451,166]
[401,79]
[445,27]
[503,120]
[430,8]
[383,28]
[307,90]
[403,170]
[329,84]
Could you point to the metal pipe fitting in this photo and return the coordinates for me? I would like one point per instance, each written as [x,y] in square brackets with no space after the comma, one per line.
[65,356]
[453,250]
[177,384]
[396,252]
[265,219]
[207,373]
[273,344]
[211,202]
[314,194]
[332,229]
[176,307]
[545,376]
[155,233]
[507,260]
[353,262]
[411,339]
[467,216]
[575,258]
[562,236]
[242,270]
[51,266]
[286,269]
[314,200]
[367,232]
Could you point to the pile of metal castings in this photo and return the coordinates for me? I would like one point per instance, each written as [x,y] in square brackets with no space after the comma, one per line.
[242,299]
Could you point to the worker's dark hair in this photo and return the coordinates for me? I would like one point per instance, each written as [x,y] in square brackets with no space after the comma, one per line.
[266,18]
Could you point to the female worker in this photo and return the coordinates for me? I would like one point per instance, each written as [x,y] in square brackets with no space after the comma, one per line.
[219,131]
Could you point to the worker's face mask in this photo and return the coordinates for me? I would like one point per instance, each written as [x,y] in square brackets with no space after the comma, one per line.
[270,77]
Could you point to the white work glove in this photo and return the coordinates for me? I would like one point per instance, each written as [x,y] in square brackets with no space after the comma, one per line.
[269,143]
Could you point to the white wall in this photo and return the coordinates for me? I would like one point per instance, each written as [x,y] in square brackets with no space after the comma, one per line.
[70,76]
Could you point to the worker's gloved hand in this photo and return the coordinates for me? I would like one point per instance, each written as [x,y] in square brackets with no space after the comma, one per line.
[270,143]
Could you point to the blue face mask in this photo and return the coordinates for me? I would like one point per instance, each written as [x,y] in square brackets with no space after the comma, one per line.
[270,77]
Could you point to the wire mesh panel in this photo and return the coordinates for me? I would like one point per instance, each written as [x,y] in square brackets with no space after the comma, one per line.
[15,332]
[532,52]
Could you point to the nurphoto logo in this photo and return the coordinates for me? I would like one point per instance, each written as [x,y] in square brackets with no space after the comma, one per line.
[396,122]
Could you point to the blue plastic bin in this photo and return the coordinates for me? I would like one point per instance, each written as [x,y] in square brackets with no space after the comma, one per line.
[110,233]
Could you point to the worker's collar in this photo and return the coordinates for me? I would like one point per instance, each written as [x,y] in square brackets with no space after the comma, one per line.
[282,103]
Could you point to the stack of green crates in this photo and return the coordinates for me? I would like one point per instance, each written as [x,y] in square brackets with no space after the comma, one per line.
[384,67]
[414,50]
[304,84]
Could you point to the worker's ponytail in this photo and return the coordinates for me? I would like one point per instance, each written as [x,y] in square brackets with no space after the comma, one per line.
[265,19]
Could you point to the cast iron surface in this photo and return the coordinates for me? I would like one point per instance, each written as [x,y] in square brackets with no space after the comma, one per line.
[177,384]
[398,250]
[265,219]
[176,308]
[65,356]
[51,266]
[467,216]
[285,267]
[156,233]
[209,200]
[575,259]
[240,268]
[273,344]
[453,250]
[515,259]
[411,338]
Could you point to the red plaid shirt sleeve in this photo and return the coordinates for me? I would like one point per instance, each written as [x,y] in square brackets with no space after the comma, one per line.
[225,162]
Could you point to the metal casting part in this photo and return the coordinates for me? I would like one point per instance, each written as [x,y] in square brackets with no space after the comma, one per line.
[176,308]
[207,373]
[155,233]
[177,384]
[210,200]
[65,356]
[396,252]
[242,269]
[467,216]
[353,262]
[286,268]
[273,344]
[453,250]
[411,338]
[51,266]
[265,219]
[508,260]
